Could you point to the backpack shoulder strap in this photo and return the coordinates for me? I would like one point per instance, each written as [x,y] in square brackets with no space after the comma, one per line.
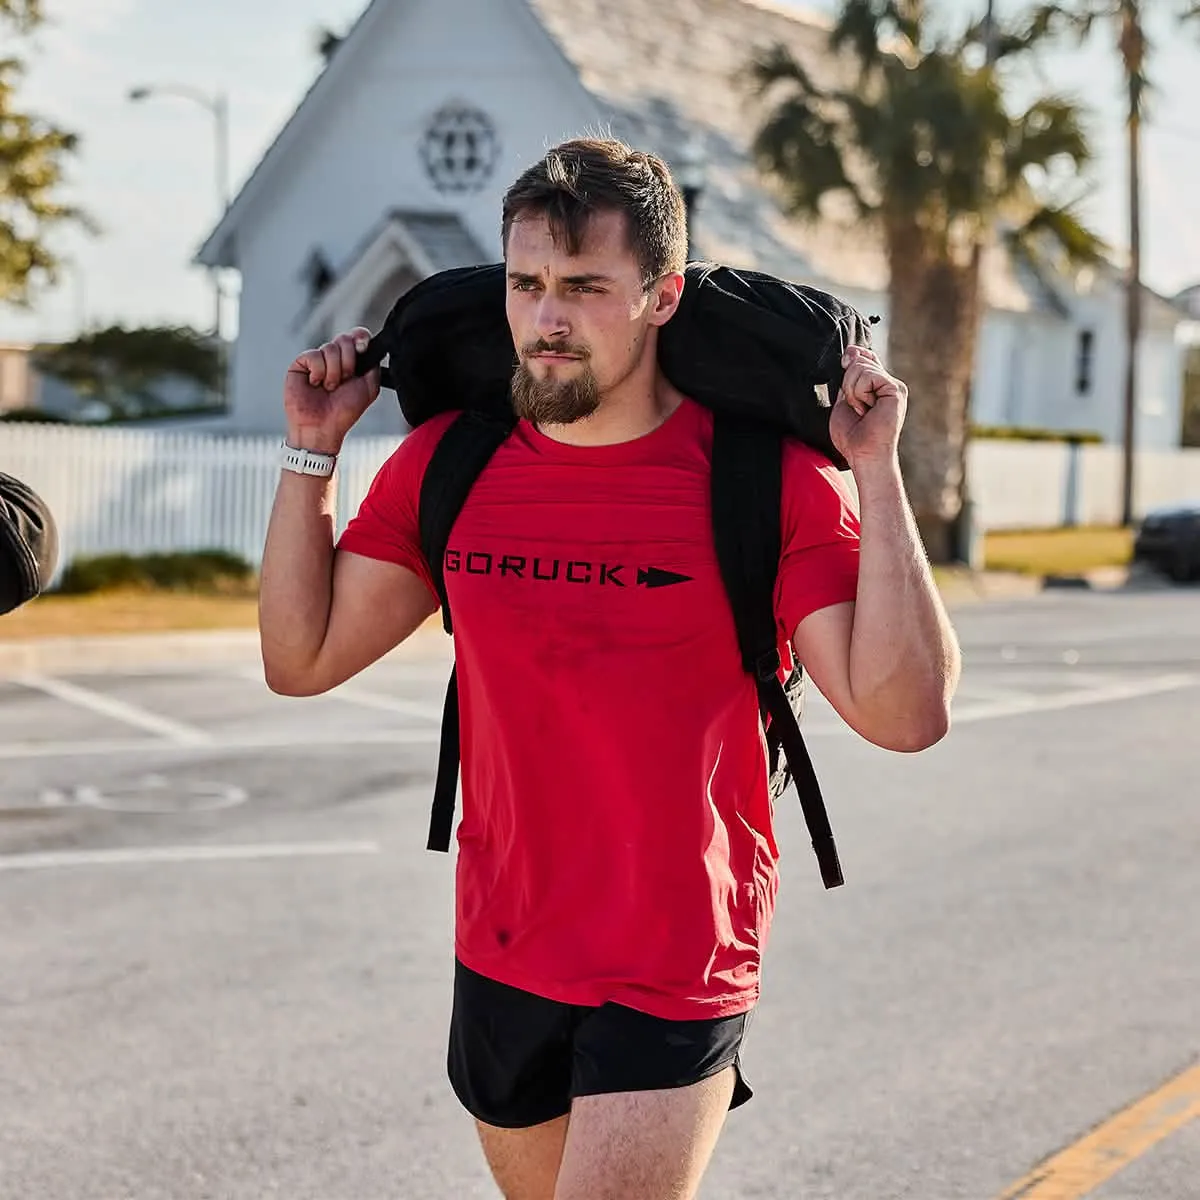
[458,460]
[465,449]
[747,492]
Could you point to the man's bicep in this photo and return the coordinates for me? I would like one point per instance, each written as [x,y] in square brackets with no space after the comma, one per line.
[821,642]
[376,605]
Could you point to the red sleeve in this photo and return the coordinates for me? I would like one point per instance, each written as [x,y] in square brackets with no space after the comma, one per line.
[387,525]
[820,527]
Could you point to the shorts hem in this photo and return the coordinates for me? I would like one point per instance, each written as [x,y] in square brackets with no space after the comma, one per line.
[742,1091]
[509,1122]
[689,1081]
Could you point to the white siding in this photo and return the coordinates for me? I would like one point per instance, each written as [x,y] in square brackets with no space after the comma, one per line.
[361,160]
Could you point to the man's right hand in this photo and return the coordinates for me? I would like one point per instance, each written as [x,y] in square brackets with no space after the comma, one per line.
[323,398]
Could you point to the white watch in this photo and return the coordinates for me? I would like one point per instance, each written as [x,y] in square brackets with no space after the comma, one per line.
[307,462]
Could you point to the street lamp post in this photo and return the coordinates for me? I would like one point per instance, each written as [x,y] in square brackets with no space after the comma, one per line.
[217,107]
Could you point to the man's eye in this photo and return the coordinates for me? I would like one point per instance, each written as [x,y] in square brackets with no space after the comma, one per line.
[589,291]
[524,285]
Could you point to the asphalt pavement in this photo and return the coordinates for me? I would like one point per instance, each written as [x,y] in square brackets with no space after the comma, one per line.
[225,955]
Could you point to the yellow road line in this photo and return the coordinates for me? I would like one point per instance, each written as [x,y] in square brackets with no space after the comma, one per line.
[1079,1169]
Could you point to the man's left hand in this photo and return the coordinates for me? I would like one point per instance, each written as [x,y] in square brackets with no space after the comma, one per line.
[866,420]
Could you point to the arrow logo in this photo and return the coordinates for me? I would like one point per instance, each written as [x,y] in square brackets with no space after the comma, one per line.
[656,577]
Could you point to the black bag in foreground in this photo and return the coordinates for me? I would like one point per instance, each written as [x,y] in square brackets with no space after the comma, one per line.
[763,354]
[28,544]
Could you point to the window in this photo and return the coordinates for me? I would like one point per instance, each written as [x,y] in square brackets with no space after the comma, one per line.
[317,275]
[1084,361]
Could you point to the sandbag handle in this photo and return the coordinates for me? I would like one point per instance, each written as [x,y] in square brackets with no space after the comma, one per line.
[372,357]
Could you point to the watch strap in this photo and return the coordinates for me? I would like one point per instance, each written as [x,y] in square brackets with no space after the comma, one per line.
[306,462]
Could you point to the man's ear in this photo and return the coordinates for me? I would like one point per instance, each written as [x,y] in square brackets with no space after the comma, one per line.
[665,294]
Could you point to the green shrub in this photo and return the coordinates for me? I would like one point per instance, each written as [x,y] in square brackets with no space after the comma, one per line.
[195,571]
[32,416]
[1012,433]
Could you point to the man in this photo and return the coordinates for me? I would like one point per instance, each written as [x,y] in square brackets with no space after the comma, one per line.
[617,865]
[28,544]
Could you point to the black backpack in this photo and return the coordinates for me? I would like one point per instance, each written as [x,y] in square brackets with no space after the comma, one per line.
[763,354]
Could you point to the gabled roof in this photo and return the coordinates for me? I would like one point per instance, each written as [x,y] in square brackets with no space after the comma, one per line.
[427,242]
[219,248]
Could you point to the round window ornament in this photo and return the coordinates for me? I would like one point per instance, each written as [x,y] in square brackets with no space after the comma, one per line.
[460,149]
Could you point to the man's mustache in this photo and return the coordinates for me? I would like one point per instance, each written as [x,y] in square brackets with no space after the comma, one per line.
[544,347]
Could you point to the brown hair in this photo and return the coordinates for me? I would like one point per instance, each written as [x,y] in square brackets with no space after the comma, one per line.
[589,175]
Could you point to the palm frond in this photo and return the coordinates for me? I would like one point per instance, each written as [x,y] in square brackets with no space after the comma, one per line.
[1050,129]
[778,65]
[1063,227]
[1052,20]
[797,147]
[860,28]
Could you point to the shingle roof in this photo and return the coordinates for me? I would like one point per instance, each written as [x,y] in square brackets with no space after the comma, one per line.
[443,237]
[667,69]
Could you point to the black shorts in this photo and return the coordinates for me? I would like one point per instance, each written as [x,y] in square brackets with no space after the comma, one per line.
[517,1060]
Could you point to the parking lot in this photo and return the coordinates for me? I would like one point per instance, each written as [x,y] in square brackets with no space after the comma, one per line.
[226,956]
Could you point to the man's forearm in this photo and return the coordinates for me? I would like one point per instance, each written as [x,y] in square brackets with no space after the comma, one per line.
[904,656]
[296,587]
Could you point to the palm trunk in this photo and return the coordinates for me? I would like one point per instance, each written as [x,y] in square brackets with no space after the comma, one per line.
[934,331]
[1133,317]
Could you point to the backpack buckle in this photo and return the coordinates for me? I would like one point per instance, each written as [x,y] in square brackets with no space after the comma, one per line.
[766,666]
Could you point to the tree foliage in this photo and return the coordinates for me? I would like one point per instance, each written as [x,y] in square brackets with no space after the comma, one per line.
[125,367]
[33,158]
[920,138]
[24,14]
[924,134]
[1128,21]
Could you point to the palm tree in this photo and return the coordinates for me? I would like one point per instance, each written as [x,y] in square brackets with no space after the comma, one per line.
[1128,20]
[926,149]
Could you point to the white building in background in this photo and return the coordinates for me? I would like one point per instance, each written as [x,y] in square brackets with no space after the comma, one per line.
[395,163]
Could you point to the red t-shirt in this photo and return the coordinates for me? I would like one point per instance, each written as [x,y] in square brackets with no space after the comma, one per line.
[616,839]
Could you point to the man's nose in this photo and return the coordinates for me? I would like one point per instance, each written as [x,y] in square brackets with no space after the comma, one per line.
[552,319]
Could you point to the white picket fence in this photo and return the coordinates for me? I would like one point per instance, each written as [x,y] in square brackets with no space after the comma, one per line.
[115,490]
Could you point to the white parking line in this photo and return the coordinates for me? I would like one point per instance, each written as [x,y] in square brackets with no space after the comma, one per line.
[301,739]
[181,854]
[1022,705]
[364,698]
[377,700]
[826,725]
[118,710]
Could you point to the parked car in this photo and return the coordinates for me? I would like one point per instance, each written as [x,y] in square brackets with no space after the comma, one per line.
[1169,539]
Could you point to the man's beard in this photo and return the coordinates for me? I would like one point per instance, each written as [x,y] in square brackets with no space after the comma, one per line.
[554,402]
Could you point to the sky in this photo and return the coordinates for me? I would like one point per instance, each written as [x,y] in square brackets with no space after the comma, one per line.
[146,171]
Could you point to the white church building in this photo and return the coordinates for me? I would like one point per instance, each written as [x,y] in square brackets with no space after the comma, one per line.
[395,163]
